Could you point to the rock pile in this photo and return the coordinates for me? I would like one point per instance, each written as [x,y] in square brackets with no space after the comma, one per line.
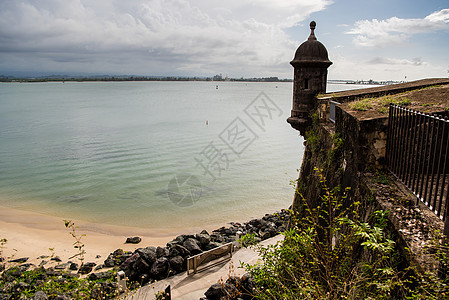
[154,263]
[144,264]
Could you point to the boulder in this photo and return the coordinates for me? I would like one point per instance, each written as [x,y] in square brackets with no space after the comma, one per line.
[148,253]
[160,268]
[219,290]
[162,251]
[141,266]
[176,250]
[73,266]
[215,291]
[177,263]
[247,286]
[192,245]
[216,237]
[127,265]
[133,240]
[109,262]
[86,268]
[203,239]
[212,245]
[116,258]
[178,240]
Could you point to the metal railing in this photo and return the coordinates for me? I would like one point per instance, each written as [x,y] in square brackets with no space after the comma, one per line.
[417,154]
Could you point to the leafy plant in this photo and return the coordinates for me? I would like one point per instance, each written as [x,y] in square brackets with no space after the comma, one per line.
[78,245]
[248,240]
[329,254]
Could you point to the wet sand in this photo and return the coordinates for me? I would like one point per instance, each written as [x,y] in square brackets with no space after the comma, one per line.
[31,234]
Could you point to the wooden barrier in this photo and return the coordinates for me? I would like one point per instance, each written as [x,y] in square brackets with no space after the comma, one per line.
[195,261]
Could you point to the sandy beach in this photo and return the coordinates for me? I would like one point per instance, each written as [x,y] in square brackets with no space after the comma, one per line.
[31,234]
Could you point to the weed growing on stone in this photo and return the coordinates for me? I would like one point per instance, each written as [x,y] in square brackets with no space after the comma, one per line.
[361,105]
[328,253]
[381,104]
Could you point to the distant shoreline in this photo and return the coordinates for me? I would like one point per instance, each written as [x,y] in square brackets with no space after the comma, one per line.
[174,79]
[137,78]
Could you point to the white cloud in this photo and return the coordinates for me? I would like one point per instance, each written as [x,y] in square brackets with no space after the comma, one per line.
[185,35]
[395,30]
[384,68]
[417,61]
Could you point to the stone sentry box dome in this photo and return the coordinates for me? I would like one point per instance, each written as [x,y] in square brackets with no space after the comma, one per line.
[310,76]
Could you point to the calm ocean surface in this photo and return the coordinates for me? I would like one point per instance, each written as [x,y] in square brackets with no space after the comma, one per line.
[149,154]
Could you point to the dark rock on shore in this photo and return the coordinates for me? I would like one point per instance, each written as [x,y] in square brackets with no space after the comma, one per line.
[133,240]
[56,258]
[235,288]
[192,245]
[148,254]
[151,263]
[162,251]
[19,260]
[160,268]
[86,268]
[177,263]
[73,266]
[116,258]
[222,290]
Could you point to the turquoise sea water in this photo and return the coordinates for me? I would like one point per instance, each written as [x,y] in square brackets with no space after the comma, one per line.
[148,154]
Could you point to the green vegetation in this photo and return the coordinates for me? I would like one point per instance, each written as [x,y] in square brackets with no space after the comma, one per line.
[19,284]
[25,281]
[361,105]
[330,254]
[381,104]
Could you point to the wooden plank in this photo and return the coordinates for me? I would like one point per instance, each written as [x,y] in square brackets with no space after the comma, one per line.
[195,261]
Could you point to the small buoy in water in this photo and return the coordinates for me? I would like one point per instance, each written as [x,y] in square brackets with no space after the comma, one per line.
[276,86]
[216,87]
[207,122]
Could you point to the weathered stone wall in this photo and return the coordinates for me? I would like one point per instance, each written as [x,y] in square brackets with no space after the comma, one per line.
[367,139]
[413,227]
[351,154]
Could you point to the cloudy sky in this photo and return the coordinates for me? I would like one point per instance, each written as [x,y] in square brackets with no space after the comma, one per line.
[376,39]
